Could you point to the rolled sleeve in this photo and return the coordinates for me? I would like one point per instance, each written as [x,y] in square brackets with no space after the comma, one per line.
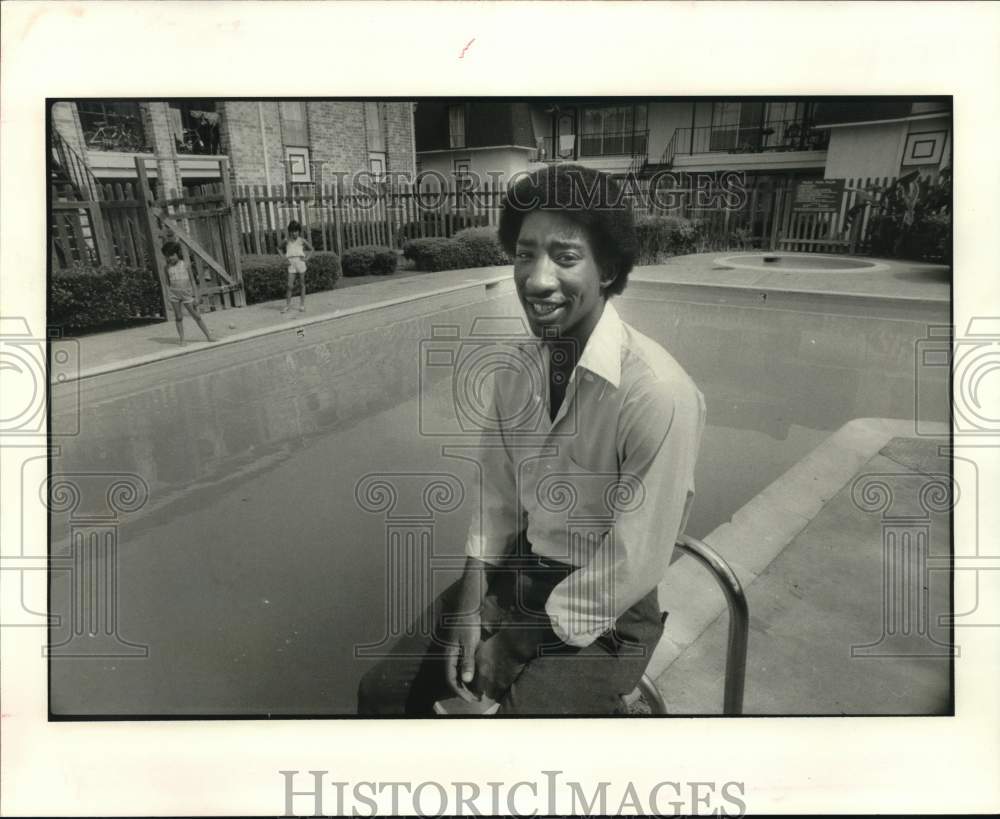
[661,431]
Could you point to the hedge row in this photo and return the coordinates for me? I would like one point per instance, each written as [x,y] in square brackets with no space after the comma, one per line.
[370,260]
[472,247]
[265,278]
[84,299]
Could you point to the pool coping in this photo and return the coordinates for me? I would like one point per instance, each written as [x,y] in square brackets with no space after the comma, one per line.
[710,292]
[762,528]
[151,358]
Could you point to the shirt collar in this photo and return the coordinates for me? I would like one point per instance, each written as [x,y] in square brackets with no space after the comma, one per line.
[603,354]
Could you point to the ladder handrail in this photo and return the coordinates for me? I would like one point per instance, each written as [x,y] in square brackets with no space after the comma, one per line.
[739,619]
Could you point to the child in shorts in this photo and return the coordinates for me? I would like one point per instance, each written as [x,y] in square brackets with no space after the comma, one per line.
[180,290]
[296,249]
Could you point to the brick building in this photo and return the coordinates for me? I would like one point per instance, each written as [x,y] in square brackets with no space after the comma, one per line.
[267,142]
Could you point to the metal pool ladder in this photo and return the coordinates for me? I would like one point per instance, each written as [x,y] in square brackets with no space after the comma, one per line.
[739,619]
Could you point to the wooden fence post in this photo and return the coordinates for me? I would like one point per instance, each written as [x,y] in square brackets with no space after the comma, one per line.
[100,233]
[154,235]
[238,296]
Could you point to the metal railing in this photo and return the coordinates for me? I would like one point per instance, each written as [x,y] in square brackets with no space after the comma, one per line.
[576,146]
[75,169]
[739,619]
[776,135]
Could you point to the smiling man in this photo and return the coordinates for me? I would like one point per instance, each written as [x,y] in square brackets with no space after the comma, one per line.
[581,502]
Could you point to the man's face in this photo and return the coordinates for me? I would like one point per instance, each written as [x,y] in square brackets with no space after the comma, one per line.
[172,259]
[557,277]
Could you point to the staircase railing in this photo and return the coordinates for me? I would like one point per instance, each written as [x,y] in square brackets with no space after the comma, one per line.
[75,168]
[667,158]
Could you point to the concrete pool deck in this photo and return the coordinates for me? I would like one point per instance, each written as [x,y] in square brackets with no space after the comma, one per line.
[813,565]
[136,346]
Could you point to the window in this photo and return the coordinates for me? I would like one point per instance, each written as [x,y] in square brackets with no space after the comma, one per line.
[373,127]
[725,126]
[783,122]
[376,164]
[195,126]
[613,130]
[112,126]
[456,126]
[294,124]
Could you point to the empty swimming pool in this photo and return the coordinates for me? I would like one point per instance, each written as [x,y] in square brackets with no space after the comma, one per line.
[258,564]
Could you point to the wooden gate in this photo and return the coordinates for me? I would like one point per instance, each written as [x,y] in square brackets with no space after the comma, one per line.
[201,220]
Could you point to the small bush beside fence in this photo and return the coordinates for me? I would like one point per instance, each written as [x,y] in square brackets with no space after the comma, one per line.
[370,260]
[661,237]
[437,253]
[482,246]
[84,299]
[265,278]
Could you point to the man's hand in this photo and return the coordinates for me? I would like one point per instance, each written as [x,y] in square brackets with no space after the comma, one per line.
[496,667]
[460,656]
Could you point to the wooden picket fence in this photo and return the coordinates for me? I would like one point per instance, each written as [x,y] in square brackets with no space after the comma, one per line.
[336,219]
[224,222]
[127,224]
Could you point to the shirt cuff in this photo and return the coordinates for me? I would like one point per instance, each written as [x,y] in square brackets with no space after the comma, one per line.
[579,635]
[484,549]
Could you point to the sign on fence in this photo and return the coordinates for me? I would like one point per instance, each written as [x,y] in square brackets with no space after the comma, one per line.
[818,195]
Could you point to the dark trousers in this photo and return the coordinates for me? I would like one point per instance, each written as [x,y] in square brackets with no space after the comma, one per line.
[563,680]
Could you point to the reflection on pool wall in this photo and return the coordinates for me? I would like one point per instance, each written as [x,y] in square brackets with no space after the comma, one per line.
[252,573]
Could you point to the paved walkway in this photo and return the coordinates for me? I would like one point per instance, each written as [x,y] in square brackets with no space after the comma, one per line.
[101,352]
[904,280]
[824,636]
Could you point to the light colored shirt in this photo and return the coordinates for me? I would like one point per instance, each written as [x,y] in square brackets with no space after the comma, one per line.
[606,486]
[177,274]
[295,248]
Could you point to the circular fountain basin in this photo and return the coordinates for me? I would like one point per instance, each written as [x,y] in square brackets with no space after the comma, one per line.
[799,263]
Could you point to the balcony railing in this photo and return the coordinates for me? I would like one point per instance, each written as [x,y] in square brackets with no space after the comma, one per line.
[577,146]
[779,135]
[623,143]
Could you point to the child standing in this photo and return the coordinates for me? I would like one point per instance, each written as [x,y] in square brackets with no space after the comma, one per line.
[297,251]
[180,290]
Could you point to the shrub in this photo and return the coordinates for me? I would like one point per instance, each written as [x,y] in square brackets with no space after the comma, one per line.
[433,223]
[482,246]
[437,253]
[85,299]
[266,277]
[370,260]
[663,236]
